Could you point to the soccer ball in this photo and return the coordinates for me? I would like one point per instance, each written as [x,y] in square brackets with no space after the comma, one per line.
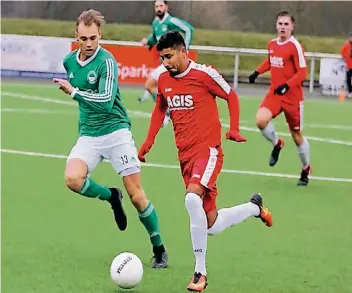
[126,270]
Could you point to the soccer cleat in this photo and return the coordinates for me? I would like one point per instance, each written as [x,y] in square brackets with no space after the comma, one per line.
[265,215]
[160,257]
[198,284]
[275,153]
[303,181]
[116,205]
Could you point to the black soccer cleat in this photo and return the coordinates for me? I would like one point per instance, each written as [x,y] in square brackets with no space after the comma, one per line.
[116,205]
[275,153]
[160,257]
[303,180]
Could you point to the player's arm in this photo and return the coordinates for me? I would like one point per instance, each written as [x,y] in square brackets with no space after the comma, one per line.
[262,68]
[156,121]
[151,40]
[344,52]
[219,87]
[301,67]
[104,99]
[186,28]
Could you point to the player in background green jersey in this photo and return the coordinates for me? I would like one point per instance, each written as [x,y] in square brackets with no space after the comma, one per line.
[162,23]
[104,130]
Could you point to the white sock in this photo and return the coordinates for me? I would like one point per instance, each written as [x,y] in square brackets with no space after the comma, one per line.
[229,217]
[269,133]
[303,153]
[146,95]
[198,227]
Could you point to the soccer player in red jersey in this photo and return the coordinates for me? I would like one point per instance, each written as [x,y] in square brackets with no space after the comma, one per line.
[189,90]
[288,70]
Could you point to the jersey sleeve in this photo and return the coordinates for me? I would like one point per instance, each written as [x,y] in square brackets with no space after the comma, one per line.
[344,51]
[186,28]
[300,65]
[152,38]
[104,99]
[157,118]
[265,65]
[218,86]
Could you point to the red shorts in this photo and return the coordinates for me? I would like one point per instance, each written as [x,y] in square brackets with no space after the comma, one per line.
[290,105]
[204,171]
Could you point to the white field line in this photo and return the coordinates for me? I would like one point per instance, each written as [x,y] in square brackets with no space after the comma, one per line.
[243,97]
[165,166]
[314,138]
[35,111]
[146,115]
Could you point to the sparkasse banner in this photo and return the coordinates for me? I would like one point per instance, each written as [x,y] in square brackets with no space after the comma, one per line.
[135,64]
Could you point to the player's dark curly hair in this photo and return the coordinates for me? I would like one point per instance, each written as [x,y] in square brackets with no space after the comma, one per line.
[285,13]
[171,39]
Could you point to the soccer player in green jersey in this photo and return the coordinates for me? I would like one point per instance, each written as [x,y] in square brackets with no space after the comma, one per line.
[162,23]
[104,130]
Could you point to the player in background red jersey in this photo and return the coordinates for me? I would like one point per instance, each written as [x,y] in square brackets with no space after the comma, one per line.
[288,70]
[189,90]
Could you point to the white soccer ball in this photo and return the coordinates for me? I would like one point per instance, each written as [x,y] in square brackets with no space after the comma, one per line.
[126,270]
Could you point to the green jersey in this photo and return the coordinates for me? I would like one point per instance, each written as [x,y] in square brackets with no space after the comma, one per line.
[170,23]
[96,90]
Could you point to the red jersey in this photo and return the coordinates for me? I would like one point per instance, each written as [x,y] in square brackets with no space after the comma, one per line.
[287,64]
[346,53]
[190,98]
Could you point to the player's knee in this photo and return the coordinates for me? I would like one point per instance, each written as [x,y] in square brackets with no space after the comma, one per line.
[135,191]
[193,201]
[215,228]
[74,182]
[263,117]
[139,199]
[297,137]
[262,121]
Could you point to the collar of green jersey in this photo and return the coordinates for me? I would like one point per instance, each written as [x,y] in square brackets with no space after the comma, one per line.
[90,59]
[164,18]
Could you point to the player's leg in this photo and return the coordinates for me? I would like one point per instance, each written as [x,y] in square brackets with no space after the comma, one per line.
[349,82]
[123,156]
[270,108]
[148,217]
[151,89]
[83,159]
[203,174]
[219,220]
[198,229]
[294,118]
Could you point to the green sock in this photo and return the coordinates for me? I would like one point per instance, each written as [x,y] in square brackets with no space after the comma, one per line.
[92,189]
[150,221]
[153,96]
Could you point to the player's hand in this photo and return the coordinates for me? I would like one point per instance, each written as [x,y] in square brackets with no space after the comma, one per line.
[144,42]
[253,77]
[235,136]
[144,149]
[64,85]
[281,90]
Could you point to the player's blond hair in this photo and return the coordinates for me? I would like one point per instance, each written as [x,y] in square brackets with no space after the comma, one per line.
[91,16]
